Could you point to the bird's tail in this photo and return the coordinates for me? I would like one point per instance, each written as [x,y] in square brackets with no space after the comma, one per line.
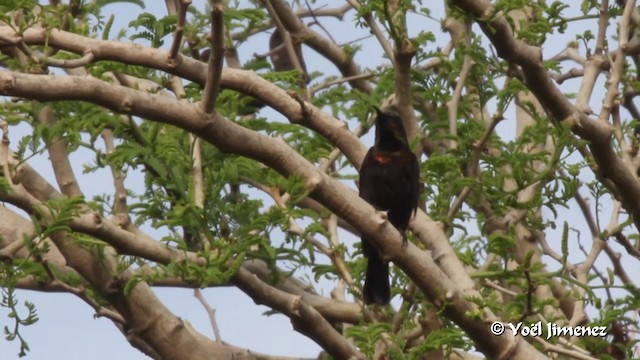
[376,283]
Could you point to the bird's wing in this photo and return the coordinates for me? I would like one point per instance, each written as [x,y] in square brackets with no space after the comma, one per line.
[365,189]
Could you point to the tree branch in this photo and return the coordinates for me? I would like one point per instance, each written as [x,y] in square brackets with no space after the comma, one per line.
[177,35]
[214,73]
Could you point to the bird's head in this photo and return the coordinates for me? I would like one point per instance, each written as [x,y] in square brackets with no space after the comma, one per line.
[390,132]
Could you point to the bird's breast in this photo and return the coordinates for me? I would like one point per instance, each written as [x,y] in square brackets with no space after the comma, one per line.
[383,158]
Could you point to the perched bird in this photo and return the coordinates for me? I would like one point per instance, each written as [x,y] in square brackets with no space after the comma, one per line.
[389,181]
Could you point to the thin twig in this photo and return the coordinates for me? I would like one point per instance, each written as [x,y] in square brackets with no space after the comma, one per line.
[196,172]
[120,207]
[177,35]
[547,250]
[624,241]
[328,84]
[436,61]
[175,84]
[625,147]
[501,289]
[375,30]
[316,21]
[81,292]
[211,312]
[300,13]
[571,74]
[331,225]
[586,212]
[25,49]
[570,52]
[86,59]
[618,269]
[4,150]
[59,156]
[474,165]
[287,41]
[452,105]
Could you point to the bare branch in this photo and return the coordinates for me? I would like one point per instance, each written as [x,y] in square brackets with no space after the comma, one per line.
[474,165]
[368,17]
[59,155]
[329,84]
[4,149]
[118,177]
[292,54]
[177,35]
[323,11]
[571,74]
[86,59]
[452,104]
[603,23]
[211,312]
[214,72]
[618,64]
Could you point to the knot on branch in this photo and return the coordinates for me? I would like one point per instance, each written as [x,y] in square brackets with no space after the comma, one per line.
[126,105]
[7,81]
[173,62]
[305,112]
[96,219]
[295,305]
[312,182]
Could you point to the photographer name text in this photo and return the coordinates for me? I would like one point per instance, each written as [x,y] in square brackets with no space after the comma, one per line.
[553,330]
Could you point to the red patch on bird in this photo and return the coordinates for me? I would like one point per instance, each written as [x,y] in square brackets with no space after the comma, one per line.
[382,159]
